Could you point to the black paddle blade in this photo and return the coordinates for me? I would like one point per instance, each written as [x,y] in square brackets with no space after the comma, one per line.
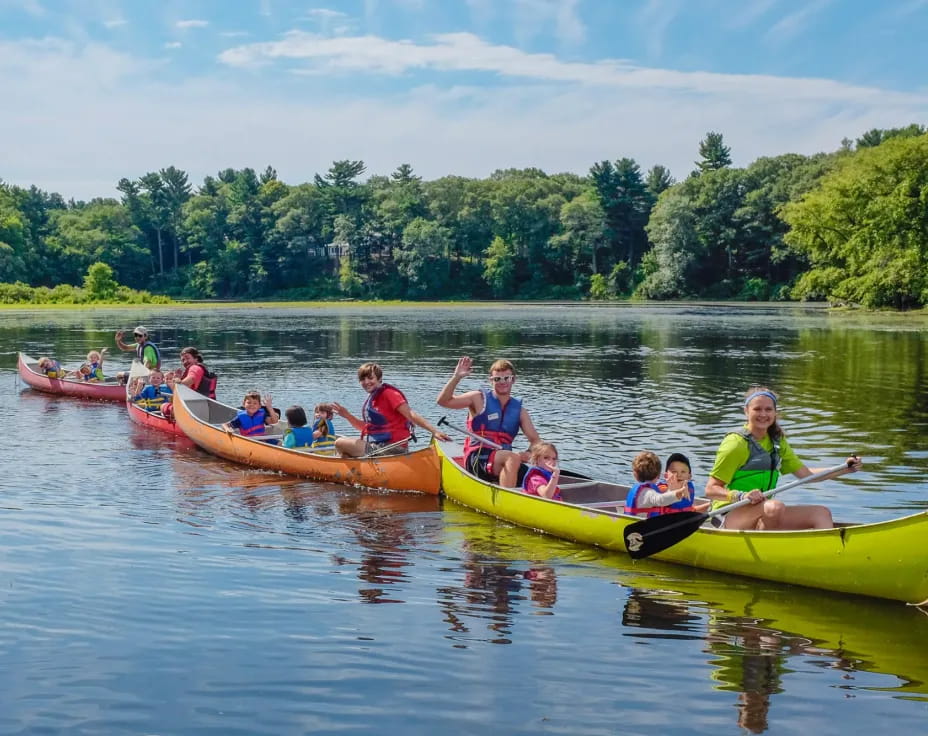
[650,536]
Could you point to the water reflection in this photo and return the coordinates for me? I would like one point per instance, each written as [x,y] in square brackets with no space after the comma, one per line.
[752,629]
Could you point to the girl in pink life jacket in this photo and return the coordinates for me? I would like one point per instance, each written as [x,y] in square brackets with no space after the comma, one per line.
[542,477]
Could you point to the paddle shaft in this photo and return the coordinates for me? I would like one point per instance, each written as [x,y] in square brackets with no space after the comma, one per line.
[477,437]
[820,475]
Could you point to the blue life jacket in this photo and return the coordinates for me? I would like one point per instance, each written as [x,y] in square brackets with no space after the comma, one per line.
[302,436]
[495,423]
[378,427]
[326,441]
[251,425]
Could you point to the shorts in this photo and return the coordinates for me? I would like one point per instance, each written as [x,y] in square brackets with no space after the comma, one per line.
[376,448]
[479,462]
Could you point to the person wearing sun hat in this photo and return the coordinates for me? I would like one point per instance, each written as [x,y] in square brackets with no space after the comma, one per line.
[145,350]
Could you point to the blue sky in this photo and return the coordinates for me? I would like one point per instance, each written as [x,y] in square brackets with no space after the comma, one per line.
[95,90]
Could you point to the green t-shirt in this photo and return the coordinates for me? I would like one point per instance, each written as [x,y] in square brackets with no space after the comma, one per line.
[149,356]
[734,452]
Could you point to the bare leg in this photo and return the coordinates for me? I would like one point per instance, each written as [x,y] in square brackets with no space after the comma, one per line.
[350,446]
[506,465]
[797,517]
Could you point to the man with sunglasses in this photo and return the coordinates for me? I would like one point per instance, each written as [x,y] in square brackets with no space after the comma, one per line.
[147,352]
[497,416]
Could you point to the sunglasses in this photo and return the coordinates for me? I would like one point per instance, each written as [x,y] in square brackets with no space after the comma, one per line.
[504,379]
[137,335]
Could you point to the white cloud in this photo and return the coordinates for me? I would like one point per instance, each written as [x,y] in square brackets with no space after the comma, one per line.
[173,44]
[795,23]
[128,122]
[531,17]
[115,23]
[192,23]
[324,13]
[464,52]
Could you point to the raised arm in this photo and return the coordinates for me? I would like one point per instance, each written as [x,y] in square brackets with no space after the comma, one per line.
[446,397]
[120,344]
[348,416]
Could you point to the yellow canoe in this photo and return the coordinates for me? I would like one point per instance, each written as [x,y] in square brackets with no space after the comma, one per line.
[886,559]
[200,418]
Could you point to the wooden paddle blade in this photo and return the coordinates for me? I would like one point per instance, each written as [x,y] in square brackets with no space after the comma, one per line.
[650,536]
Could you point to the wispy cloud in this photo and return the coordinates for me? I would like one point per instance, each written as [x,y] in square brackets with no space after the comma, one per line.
[464,52]
[795,23]
[173,45]
[324,14]
[653,20]
[531,17]
[192,23]
[115,22]
[748,13]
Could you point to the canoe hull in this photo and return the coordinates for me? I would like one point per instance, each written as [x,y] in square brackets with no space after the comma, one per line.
[151,420]
[196,416]
[883,560]
[109,390]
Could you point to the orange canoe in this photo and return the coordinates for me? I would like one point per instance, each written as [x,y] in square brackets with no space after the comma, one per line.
[107,390]
[200,418]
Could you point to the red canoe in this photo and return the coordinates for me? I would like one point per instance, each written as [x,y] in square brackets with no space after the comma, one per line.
[151,419]
[109,389]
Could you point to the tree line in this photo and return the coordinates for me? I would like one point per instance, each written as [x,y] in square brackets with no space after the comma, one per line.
[847,226]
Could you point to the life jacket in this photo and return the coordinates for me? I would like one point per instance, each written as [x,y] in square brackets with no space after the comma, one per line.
[252,425]
[325,443]
[151,398]
[684,504]
[303,436]
[381,424]
[96,373]
[207,384]
[140,354]
[495,423]
[54,371]
[534,470]
[761,470]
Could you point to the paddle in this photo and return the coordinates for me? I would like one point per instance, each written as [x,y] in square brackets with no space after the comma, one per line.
[655,534]
[495,446]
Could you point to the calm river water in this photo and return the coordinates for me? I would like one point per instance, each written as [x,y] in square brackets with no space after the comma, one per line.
[148,588]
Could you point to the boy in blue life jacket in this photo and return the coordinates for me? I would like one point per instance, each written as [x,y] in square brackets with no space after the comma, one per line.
[253,417]
[153,396]
[323,431]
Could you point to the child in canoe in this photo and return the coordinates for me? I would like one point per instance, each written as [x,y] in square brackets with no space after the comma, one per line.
[543,474]
[653,496]
[51,367]
[92,370]
[253,416]
[298,435]
[323,431]
[155,395]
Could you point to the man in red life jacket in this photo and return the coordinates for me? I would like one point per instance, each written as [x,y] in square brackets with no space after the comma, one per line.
[386,418]
[496,415]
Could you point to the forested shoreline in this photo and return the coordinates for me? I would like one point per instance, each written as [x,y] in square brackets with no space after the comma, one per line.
[849,226]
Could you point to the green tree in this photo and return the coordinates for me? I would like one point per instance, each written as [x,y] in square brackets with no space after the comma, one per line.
[500,269]
[423,259]
[865,228]
[99,283]
[658,180]
[713,153]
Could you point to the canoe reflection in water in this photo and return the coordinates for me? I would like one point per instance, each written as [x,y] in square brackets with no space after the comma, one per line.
[493,590]
[380,523]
